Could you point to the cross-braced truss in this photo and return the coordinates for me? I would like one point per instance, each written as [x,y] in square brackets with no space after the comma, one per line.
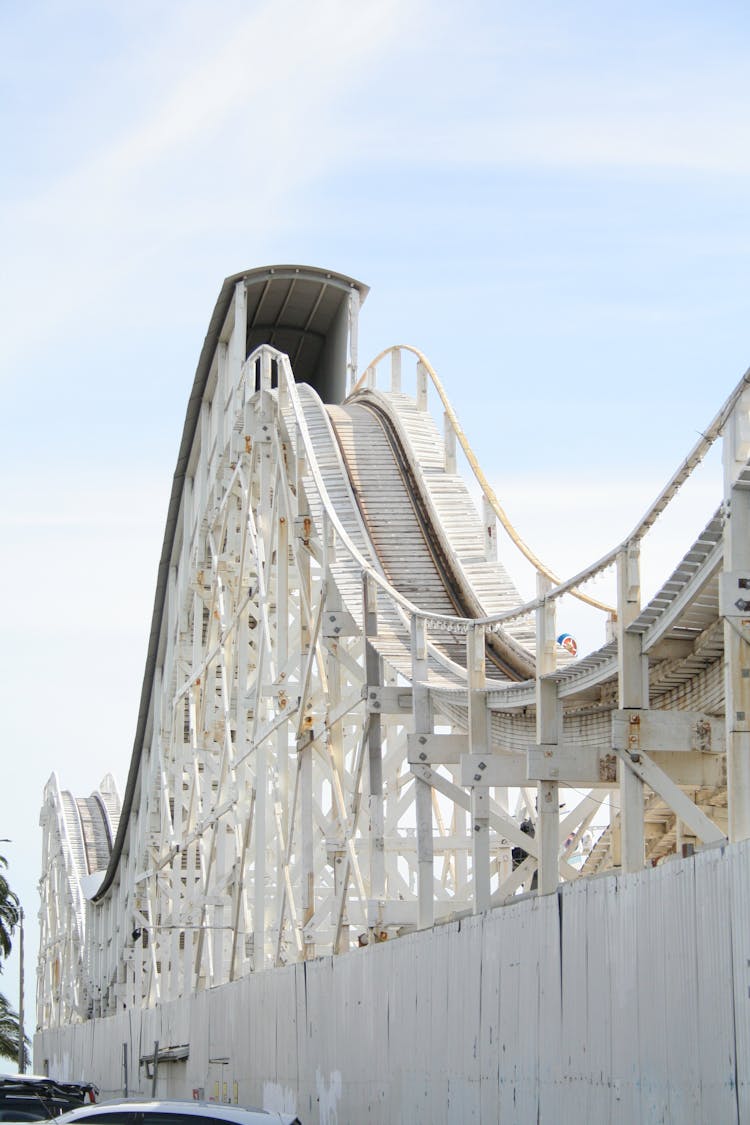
[353,727]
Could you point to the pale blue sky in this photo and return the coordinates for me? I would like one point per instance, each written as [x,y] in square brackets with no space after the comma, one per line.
[551,200]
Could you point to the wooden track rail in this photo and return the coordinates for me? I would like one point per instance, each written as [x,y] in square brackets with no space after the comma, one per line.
[352,725]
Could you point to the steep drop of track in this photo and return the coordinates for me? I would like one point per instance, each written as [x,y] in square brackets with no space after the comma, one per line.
[415,557]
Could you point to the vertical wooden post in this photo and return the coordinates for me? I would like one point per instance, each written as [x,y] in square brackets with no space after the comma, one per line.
[353,358]
[548,730]
[421,386]
[155,1069]
[282,657]
[632,692]
[307,897]
[479,743]
[238,340]
[422,710]
[736,449]
[449,441]
[374,675]
[490,530]
[396,370]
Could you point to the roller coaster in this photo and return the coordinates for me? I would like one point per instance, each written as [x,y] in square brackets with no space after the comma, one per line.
[352,726]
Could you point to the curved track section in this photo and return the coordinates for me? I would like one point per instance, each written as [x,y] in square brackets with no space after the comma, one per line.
[417,555]
[347,712]
[76,850]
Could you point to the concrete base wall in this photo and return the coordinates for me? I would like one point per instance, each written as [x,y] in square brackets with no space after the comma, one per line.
[620,999]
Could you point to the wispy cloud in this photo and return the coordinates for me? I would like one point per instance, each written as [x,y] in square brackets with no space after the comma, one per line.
[240,133]
[661,141]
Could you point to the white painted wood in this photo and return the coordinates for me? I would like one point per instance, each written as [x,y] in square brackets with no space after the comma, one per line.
[548,730]
[425,749]
[631,693]
[499,770]
[422,726]
[645,769]
[558,1009]
[655,731]
[737,664]
[275,817]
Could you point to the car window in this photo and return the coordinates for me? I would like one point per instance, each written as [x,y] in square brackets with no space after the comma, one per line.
[10,1114]
[163,1117]
[25,1108]
[114,1117]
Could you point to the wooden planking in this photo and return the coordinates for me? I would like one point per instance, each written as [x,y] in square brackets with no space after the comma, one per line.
[457,517]
[393,641]
[388,510]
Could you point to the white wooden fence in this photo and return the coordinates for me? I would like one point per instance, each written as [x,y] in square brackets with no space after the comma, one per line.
[618,999]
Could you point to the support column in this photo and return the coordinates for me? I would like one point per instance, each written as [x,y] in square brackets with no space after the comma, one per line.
[374,674]
[490,530]
[736,596]
[449,441]
[632,692]
[281,659]
[353,357]
[548,731]
[237,349]
[479,743]
[396,371]
[422,711]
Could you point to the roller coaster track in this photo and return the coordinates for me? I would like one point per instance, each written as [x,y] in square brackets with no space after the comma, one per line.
[348,711]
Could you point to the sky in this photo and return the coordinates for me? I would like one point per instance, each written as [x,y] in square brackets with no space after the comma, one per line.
[550,200]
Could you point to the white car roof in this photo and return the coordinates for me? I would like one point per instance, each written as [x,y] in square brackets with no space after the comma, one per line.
[232,1114]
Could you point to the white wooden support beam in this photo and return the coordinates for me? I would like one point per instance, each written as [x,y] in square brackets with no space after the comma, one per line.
[437,749]
[303,508]
[548,732]
[374,678]
[307,896]
[333,627]
[499,821]
[736,449]
[389,700]
[479,743]
[570,764]
[495,770]
[396,370]
[282,656]
[449,442]
[353,357]
[632,693]
[490,530]
[696,820]
[238,339]
[422,711]
[596,766]
[266,380]
[338,623]
[667,731]
[421,386]
[225,362]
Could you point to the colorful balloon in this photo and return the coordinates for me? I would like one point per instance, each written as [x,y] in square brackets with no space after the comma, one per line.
[568,643]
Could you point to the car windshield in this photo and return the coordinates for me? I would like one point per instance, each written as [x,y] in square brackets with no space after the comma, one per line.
[24,1100]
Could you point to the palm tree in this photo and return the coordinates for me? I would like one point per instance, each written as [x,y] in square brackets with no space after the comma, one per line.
[10,1030]
[9,914]
[9,1033]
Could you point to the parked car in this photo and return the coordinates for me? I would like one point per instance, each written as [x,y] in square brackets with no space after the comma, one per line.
[157,1112]
[34,1097]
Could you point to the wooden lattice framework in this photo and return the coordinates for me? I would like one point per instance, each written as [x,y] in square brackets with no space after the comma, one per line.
[316,772]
